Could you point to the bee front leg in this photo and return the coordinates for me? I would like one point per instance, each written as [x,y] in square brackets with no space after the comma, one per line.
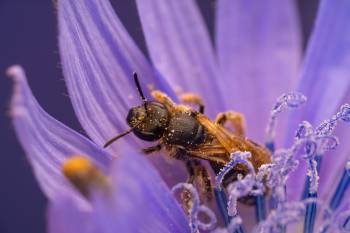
[151,149]
[235,118]
[189,98]
[163,98]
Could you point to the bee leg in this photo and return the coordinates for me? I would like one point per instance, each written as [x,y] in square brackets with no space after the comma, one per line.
[163,98]
[193,99]
[151,149]
[191,171]
[235,118]
[186,196]
[204,181]
[199,174]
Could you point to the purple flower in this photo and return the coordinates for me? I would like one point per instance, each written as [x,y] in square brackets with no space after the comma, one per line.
[257,58]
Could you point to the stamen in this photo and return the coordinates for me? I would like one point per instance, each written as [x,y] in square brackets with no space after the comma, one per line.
[251,184]
[241,188]
[315,143]
[311,185]
[336,221]
[346,224]
[319,141]
[260,208]
[221,202]
[327,127]
[270,146]
[313,146]
[220,196]
[84,175]
[196,208]
[286,101]
[341,188]
[288,213]
[283,163]
[283,215]
[310,215]
[236,158]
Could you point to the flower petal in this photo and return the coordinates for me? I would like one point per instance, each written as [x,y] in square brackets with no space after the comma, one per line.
[66,216]
[46,141]
[325,76]
[98,58]
[141,201]
[180,48]
[259,48]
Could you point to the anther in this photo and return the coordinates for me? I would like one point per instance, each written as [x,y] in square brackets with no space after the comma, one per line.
[84,175]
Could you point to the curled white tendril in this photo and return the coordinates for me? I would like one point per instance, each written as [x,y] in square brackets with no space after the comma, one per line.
[251,184]
[236,158]
[277,173]
[319,141]
[284,161]
[196,209]
[286,101]
[327,127]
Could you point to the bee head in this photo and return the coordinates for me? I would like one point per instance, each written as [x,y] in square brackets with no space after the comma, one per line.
[148,120]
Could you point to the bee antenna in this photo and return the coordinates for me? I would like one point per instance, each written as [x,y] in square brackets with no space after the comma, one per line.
[139,89]
[109,142]
[138,86]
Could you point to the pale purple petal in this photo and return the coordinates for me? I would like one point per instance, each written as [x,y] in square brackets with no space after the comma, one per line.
[141,202]
[47,142]
[180,48]
[98,58]
[66,216]
[258,45]
[326,80]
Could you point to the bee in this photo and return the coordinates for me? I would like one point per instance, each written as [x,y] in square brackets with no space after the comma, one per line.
[189,135]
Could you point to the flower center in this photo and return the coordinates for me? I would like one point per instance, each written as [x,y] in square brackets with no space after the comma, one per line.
[269,181]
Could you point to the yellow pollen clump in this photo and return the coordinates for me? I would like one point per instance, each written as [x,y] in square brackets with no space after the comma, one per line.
[77,164]
[83,174]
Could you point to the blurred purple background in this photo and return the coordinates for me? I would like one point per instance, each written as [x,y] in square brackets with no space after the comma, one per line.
[28,37]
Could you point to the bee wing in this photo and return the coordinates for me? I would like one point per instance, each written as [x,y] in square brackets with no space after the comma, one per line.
[232,142]
[213,152]
[225,138]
